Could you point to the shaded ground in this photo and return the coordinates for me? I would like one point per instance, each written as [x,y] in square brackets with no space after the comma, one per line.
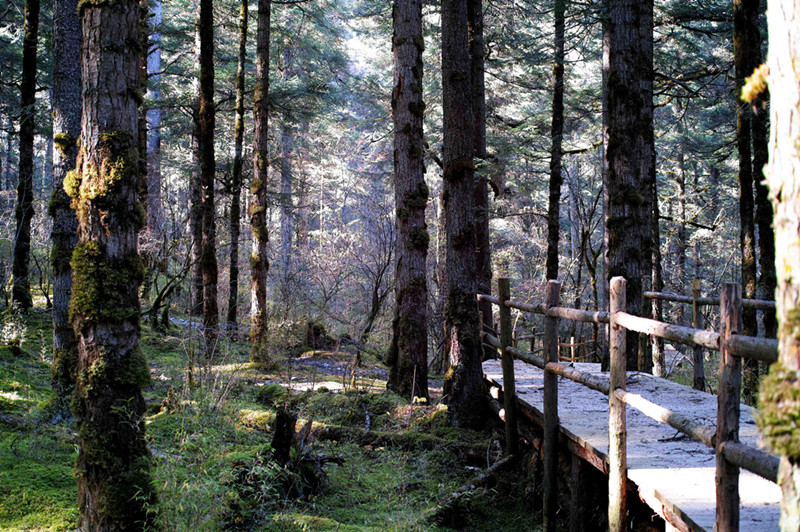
[210,427]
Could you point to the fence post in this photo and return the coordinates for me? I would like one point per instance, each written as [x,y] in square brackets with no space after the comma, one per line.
[509,388]
[729,385]
[617,432]
[550,502]
[697,353]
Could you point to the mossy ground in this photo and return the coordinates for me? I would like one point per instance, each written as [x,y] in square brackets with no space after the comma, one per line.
[209,429]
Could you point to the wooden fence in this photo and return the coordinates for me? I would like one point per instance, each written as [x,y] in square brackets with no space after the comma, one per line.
[724,438]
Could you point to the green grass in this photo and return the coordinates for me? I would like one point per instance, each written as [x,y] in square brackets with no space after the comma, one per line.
[211,448]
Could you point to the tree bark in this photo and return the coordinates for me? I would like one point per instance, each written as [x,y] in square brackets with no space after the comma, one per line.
[556,135]
[742,62]
[23,213]
[258,190]
[629,151]
[196,195]
[463,383]
[287,205]
[767,282]
[657,280]
[408,352]
[780,389]
[66,131]
[115,489]
[206,125]
[155,209]
[236,179]
[483,251]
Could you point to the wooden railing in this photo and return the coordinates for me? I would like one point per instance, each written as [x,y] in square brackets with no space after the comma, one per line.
[699,379]
[723,438]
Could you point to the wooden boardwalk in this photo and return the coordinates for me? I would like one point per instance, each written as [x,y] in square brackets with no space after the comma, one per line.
[673,473]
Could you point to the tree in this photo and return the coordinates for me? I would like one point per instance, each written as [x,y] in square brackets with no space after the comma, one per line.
[258,190]
[767,281]
[21,289]
[781,388]
[66,131]
[236,179]
[629,145]
[408,352]
[557,134]
[113,470]
[155,209]
[463,382]
[206,124]
[747,239]
[483,251]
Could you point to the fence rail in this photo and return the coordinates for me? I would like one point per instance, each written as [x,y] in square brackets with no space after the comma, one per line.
[724,437]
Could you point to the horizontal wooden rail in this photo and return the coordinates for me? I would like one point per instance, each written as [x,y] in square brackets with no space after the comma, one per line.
[491,299]
[674,333]
[703,433]
[754,460]
[758,304]
[765,349]
[586,316]
[537,308]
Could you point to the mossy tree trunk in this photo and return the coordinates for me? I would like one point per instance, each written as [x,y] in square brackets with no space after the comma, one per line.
[628,139]
[557,135]
[206,122]
[464,380]
[742,62]
[780,391]
[483,250]
[258,203]
[236,178]
[66,130]
[115,488]
[23,213]
[408,352]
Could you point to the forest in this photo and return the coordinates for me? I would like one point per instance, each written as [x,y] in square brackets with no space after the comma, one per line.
[254,255]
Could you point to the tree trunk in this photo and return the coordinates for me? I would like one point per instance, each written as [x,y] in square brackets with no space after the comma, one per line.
[206,124]
[155,210]
[21,287]
[66,131]
[408,352]
[464,380]
[483,251]
[741,58]
[258,190]
[629,151]
[196,195]
[236,181]
[556,134]
[681,244]
[767,282]
[780,390]
[287,205]
[115,488]
[657,280]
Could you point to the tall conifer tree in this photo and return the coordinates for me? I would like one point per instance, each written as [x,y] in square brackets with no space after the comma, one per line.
[408,354]
[115,490]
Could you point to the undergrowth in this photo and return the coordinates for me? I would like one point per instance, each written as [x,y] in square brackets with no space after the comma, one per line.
[210,428]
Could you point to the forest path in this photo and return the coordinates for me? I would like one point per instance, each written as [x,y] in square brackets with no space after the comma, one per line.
[674,473]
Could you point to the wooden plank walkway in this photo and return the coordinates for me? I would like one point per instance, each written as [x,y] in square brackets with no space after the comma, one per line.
[674,474]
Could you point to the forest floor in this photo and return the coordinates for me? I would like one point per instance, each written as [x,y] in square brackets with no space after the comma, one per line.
[365,459]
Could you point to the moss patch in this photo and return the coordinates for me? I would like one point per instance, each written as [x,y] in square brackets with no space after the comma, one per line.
[779,411]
